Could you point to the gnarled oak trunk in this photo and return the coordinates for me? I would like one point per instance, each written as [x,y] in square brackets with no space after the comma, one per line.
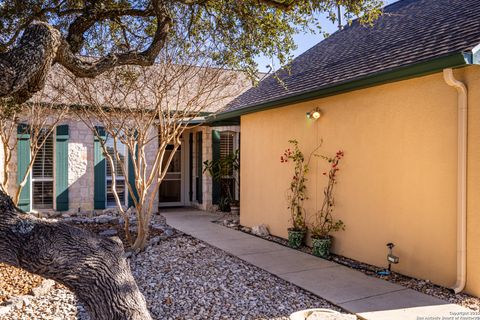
[91,266]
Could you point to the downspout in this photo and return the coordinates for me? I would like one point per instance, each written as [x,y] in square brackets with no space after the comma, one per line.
[461,179]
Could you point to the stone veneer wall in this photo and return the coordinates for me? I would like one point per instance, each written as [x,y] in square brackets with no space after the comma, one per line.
[81,170]
[12,167]
[80,167]
[150,153]
[207,180]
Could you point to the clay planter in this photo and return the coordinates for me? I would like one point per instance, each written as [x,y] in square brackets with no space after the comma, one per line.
[321,247]
[296,238]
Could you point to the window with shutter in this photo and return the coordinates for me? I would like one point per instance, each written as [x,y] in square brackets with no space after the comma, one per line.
[226,149]
[42,176]
[226,143]
[121,186]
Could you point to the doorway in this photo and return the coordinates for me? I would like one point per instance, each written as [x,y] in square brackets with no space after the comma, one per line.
[171,192]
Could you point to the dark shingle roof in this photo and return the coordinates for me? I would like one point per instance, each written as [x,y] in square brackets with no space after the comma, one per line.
[409,32]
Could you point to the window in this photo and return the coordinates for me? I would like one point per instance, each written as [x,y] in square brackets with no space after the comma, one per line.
[226,143]
[226,149]
[120,175]
[42,176]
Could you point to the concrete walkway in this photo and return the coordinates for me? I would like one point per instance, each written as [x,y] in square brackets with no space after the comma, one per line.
[368,297]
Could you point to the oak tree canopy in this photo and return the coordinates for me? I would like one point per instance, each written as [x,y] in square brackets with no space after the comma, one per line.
[34,34]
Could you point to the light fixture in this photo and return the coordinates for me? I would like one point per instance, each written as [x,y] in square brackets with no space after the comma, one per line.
[315,114]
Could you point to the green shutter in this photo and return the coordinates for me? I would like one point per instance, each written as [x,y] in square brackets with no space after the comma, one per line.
[190,166]
[131,179]
[61,160]
[99,184]
[216,187]
[23,160]
[199,178]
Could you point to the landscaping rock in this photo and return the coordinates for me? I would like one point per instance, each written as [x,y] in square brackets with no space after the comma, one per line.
[41,215]
[131,212]
[19,302]
[57,304]
[106,219]
[5,310]
[54,214]
[159,226]
[110,212]
[169,232]
[184,278]
[424,286]
[44,288]
[246,229]
[260,230]
[154,241]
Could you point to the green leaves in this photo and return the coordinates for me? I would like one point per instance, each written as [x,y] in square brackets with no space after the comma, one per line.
[231,33]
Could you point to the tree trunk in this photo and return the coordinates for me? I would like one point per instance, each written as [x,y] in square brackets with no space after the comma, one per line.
[142,234]
[93,267]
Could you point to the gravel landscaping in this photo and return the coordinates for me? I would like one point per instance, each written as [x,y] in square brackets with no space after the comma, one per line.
[423,286]
[185,278]
[16,282]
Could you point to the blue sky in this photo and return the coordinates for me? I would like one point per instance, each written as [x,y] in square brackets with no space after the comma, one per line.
[305,41]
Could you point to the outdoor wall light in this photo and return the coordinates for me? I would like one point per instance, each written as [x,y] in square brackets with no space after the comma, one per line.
[314,114]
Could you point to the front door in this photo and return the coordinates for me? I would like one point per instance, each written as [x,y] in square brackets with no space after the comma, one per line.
[171,189]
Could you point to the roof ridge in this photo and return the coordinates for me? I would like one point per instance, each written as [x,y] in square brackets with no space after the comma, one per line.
[401,37]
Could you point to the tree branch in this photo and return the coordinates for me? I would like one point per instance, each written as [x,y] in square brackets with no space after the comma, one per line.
[85,21]
[84,68]
[23,69]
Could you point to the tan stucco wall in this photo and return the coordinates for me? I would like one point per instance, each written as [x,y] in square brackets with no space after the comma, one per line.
[397,182]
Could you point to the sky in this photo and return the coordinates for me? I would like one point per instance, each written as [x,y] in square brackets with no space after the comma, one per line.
[305,41]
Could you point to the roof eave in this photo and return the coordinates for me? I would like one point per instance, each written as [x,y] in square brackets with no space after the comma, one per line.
[407,72]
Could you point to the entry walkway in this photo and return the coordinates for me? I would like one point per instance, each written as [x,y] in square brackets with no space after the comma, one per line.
[368,297]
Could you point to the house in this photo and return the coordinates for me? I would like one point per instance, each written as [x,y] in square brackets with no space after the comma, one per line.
[70,173]
[401,98]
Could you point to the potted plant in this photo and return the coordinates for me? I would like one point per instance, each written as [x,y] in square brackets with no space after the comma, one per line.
[297,193]
[324,222]
[225,171]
